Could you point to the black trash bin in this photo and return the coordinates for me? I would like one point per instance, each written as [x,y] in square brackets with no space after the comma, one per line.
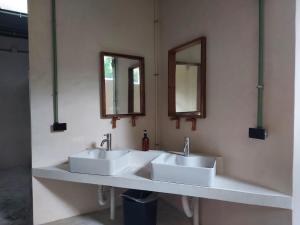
[139,207]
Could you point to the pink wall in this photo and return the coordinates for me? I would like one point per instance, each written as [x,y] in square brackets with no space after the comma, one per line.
[231,28]
[84,28]
[296,169]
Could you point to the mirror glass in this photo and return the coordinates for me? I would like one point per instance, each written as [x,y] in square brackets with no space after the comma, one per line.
[187,75]
[123,85]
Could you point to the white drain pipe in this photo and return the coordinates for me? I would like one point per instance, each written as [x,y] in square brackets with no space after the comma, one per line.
[188,211]
[186,206]
[102,200]
[101,196]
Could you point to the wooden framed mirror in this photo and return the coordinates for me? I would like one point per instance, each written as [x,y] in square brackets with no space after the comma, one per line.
[122,85]
[187,80]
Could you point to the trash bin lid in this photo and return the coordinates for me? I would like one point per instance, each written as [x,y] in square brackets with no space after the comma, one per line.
[140,196]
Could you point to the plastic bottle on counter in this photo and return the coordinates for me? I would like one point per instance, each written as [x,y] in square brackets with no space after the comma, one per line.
[145,141]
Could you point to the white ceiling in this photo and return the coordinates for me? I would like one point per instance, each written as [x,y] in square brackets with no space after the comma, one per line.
[14,5]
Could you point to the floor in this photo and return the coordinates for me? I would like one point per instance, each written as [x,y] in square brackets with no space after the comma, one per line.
[167,215]
[15,197]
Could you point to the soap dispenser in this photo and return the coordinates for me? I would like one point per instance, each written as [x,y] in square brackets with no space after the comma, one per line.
[145,141]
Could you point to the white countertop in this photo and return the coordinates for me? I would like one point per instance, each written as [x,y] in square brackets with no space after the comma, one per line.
[138,177]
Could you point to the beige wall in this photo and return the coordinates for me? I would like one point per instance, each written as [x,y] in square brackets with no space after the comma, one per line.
[232,41]
[296,168]
[87,27]
[84,29]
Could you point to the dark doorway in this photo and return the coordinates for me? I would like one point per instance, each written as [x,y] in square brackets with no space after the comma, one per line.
[15,141]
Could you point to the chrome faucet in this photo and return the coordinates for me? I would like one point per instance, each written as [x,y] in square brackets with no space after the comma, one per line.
[186,149]
[107,140]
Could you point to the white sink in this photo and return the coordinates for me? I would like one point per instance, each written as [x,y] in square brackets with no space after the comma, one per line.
[194,169]
[99,161]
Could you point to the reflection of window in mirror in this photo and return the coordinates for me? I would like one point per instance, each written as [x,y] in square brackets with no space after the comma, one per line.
[134,89]
[136,76]
[109,75]
[109,67]
[122,85]
[116,86]
[187,78]
[187,75]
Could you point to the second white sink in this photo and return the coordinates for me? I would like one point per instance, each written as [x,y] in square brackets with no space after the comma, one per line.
[194,169]
[99,161]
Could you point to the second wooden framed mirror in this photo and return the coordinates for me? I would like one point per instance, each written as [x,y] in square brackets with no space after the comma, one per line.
[187,81]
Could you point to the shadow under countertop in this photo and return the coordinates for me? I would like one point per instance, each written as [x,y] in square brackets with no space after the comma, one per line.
[167,215]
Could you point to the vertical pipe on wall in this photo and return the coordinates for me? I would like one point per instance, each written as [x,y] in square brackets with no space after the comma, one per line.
[260,85]
[56,127]
[156,66]
[54,59]
[259,132]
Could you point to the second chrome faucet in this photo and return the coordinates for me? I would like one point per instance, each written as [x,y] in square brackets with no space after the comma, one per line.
[186,149]
[107,140]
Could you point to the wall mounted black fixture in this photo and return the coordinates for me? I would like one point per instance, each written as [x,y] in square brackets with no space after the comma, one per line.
[260,132]
[57,126]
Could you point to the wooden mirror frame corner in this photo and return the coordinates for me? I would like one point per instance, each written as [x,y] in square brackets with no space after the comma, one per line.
[201,101]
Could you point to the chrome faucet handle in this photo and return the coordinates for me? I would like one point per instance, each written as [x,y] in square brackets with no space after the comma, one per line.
[107,135]
[108,141]
[187,141]
[186,149]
